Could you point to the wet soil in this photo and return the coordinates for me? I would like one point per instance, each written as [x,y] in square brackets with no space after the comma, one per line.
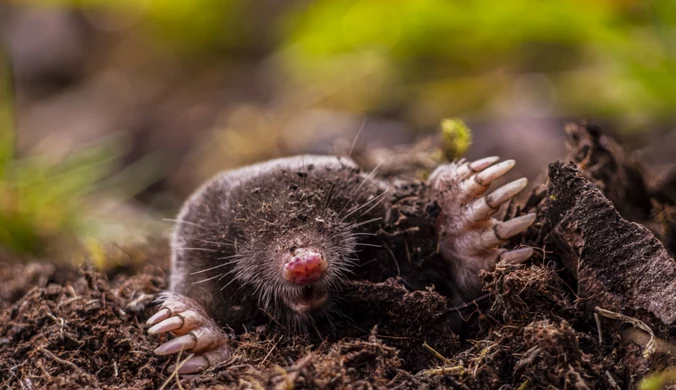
[600,238]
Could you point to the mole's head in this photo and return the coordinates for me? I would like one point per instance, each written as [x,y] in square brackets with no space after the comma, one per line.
[296,230]
[296,271]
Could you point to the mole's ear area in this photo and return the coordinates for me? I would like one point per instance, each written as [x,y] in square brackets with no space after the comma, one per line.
[469,238]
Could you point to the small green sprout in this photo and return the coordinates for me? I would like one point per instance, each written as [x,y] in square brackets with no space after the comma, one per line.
[456,138]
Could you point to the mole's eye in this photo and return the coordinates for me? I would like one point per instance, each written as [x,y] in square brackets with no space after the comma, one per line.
[292,249]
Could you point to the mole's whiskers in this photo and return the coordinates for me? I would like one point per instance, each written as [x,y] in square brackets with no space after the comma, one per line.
[227,284]
[356,225]
[182,222]
[371,245]
[356,137]
[379,197]
[197,249]
[356,190]
[235,257]
[207,279]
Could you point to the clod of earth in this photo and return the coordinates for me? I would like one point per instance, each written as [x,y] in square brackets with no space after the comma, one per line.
[619,265]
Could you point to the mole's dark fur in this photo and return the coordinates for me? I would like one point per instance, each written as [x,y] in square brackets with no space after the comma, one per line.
[232,232]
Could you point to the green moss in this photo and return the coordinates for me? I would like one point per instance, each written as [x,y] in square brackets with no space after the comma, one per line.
[456,138]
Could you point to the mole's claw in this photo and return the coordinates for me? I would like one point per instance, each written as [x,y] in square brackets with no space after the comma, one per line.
[204,338]
[484,173]
[480,165]
[197,332]
[191,366]
[207,338]
[501,231]
[506,192]
[486,206]
[463,169]
[162,314]
[167,325]
[517,256]
[200,363]
[469,238]
[486,177]
[179,324]
[182,343]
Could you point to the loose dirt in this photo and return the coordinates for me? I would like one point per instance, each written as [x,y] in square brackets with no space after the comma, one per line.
[600,234]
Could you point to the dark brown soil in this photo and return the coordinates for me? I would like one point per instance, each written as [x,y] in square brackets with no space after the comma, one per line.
[65,328]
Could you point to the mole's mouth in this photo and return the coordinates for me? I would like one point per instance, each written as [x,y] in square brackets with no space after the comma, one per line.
[310,298]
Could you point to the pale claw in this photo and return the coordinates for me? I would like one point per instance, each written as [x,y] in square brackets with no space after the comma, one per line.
[486,177]
[477,184]
[469,238]
[180,323]
[505,193]
[162,314]
[202,362]
[480,165]
[500,232]
[182,343]
[197,333]
[517,256]
[167,325]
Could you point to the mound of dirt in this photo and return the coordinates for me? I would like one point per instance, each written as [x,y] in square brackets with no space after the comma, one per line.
[80,334]
[570,318]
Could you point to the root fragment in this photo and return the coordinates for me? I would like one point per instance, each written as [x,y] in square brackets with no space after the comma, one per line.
[650,345]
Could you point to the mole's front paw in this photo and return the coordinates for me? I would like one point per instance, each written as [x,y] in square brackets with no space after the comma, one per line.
[469,238]
[197,332]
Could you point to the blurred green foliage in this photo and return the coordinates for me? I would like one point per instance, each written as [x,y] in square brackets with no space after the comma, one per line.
[604,57]
[42,203]
[187,25]
[6,115]
[428,59]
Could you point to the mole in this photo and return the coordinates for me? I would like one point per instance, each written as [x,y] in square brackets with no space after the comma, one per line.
[285,236]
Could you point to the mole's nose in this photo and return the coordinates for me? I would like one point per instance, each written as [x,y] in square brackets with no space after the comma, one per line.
[305,267]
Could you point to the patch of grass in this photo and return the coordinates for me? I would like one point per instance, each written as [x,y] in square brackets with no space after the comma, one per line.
[42,202]
[6,117]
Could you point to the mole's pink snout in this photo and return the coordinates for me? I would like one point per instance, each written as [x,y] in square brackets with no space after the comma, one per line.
[304,267]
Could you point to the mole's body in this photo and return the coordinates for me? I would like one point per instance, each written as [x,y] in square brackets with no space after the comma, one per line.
[283,237]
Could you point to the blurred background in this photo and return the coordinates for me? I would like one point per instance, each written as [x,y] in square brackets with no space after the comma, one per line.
[112,111]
